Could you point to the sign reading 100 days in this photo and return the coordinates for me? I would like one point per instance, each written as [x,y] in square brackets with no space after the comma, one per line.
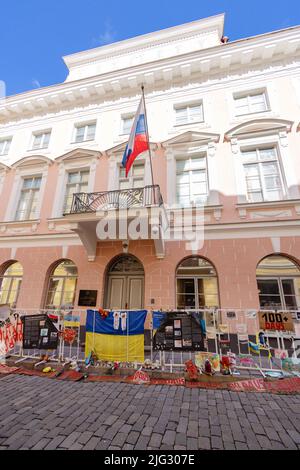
[278,321]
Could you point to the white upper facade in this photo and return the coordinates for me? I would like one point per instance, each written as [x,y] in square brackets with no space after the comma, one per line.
[186,71]
[146,49]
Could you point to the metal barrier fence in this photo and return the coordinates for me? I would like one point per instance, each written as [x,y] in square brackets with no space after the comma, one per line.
[71,332]
[227,330]
[235,331]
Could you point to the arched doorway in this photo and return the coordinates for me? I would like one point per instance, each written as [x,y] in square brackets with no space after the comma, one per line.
[62,285]
[10,283]
[278,282]
[196,284]
[125,284]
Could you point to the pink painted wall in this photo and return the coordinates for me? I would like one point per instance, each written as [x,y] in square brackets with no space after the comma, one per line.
[234,260]
[229,211]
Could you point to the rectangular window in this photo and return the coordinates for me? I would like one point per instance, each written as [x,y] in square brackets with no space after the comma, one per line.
[252,102]
[41,140]
[135,178]
[77,182]
[263,174]
[187,114]
[126,125]
[191,180]
[5,146]
[29,199]
[85,132]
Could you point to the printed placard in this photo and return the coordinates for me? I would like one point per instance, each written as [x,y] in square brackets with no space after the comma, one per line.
[241,328]
[223,328]
[278,321]
[211,332]
[250,314]
[243,338]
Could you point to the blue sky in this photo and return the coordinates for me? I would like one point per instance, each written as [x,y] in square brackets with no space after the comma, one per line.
[35,34]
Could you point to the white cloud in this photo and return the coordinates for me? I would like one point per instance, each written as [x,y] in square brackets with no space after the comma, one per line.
[2,89]
[35,83]
[107,36]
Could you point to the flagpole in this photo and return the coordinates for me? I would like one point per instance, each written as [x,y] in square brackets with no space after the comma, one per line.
[149,147]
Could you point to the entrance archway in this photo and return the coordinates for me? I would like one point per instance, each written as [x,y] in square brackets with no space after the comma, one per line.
[125,284]
[278,282]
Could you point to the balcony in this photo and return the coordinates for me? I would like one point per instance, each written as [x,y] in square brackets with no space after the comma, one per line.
[141,206]
[149,196]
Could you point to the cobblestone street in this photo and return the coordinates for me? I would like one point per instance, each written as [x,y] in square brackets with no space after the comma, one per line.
[38,413]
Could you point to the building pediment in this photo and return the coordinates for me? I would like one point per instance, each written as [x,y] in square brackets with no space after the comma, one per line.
[120,148]
[77,154]
[34,160]
[4,167]
[257,127]
[191,137]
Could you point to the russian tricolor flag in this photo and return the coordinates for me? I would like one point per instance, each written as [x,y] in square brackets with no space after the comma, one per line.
[138,141]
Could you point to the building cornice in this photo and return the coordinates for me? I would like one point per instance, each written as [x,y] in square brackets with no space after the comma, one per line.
[251,229]
[146,41]
[263,49]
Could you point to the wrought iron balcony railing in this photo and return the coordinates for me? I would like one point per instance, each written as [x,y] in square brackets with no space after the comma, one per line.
[122,199]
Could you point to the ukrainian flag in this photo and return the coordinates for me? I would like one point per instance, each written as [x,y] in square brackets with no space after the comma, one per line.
[116,338]
[256,348]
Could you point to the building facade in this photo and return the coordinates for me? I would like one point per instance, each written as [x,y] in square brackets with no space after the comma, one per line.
[224,130]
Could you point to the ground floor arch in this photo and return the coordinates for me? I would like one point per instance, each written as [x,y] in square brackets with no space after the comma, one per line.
[61,285]
[124,285]
[11,275]
[278,282]
[196,284]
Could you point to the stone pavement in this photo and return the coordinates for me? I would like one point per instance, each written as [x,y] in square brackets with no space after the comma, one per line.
[39,413]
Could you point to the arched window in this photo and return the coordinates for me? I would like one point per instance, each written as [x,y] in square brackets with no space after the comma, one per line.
[62,286]
[278,282]
[196,284]
[10,283]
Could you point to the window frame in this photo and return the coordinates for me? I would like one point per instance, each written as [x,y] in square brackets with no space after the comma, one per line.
[64,278]
[195,278]
[32,191]
[131,178]
[43,133]
[123,118]
[187,106]
[11,279]
[7,143]
[84,125]
[259,163]
[246,94]
[67,173]
[191,157]
[279,278]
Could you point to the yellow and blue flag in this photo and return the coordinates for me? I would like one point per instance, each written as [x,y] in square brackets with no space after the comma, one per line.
[255,348]
[118,337]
